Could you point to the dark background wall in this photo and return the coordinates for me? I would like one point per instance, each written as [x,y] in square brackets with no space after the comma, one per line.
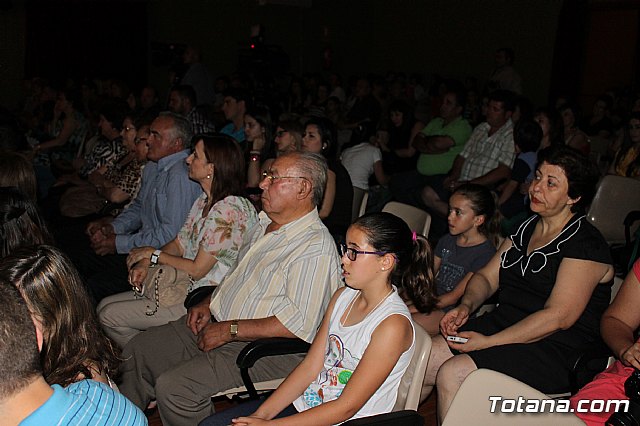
[595,47]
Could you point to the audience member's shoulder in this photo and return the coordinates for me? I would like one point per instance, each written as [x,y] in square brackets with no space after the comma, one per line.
[104,405]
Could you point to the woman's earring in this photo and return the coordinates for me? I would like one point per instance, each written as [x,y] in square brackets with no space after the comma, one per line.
[208,176]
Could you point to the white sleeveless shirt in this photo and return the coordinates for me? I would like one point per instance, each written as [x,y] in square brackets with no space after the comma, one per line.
[345,347]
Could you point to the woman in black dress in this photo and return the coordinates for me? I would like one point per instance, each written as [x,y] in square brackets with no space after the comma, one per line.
[554,276]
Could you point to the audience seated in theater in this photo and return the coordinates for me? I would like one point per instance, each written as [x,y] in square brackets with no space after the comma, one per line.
[63,138]
[205,248]
[554,277]
[16,170]
[149,104]
[573,136]
[108,148]
[335,210]
[439,143]
[513,200]
[197,76]
[619,324]
[68,129]
[74,347]
[335,83]
[523,109]
[287,138]
[474,226]
[504,76]
[152,219]
[259,136]
[399,153]
[121,182]
[182,100]
[627,158]
[599,124]
[552,129]
[366,335]
[295,102]
[96,154]
[234,107]
[363,115]
[27,399]
[362,161]
[108,189]
[333,111]
[280,286]
[20,222]
[486,158]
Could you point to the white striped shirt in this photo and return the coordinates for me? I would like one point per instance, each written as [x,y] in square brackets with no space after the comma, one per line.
[289,273]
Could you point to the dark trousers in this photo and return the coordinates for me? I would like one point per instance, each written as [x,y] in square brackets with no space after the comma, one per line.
[102,275]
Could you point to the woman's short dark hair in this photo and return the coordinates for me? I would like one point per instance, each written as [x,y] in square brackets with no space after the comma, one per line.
[20,222]
[328,135]
[229,176]
[582,174]
[74,345]
[414,259]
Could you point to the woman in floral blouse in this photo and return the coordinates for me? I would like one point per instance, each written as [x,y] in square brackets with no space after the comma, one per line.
[206,246]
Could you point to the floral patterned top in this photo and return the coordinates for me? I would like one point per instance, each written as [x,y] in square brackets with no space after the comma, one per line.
[221,232]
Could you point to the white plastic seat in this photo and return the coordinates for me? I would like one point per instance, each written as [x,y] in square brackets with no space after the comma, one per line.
[471,405]
[417,219]
[615,197]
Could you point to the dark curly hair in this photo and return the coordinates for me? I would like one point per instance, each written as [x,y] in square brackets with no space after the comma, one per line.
[582,174]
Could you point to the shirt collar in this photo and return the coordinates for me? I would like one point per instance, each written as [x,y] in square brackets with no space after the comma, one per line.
[291,228]
[165,162]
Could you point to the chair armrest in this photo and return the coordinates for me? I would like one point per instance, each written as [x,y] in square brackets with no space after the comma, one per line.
[586,363]
[261,348]
[629,220]
[269,347]
[197,295]
[397,418]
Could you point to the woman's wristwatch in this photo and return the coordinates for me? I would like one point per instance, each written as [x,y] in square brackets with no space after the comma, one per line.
[155,256]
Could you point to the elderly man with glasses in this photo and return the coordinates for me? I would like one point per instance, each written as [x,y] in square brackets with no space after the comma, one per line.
[286,272]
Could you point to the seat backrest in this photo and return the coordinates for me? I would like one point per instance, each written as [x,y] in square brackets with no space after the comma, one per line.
[411,383]
[417,219]
[363,204]
[615,197]
[471,404]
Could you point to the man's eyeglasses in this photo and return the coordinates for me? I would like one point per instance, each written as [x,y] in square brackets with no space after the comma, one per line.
[352,254]
[272,178]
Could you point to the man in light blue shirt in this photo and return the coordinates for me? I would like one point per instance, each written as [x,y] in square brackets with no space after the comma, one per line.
[27,399]
[153,218]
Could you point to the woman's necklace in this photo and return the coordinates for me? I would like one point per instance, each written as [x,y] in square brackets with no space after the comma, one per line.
[374,308]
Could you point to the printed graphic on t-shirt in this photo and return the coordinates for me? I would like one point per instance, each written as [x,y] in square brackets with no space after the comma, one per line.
[449,274]
[339,365]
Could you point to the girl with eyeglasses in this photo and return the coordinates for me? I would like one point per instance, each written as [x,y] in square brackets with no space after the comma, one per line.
[366,340]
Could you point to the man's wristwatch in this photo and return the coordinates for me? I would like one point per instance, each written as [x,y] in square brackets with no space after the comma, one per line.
[233,329]
[155,256]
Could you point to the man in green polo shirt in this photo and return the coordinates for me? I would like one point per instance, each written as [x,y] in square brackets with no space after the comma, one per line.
[438,143]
